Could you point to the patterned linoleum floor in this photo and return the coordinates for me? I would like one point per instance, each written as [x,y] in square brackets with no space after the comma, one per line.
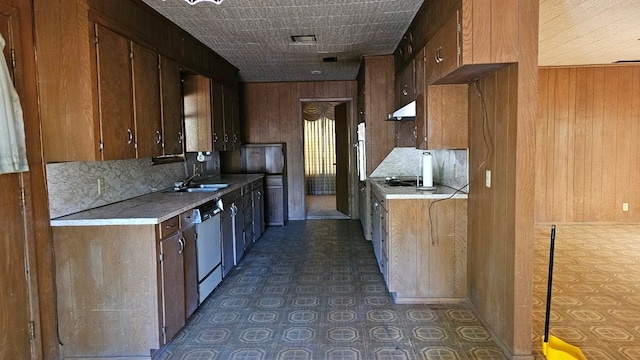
[312,290]
[596,289]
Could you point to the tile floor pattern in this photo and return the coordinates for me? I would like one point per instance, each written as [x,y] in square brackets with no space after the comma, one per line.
[596,289]
[312,290]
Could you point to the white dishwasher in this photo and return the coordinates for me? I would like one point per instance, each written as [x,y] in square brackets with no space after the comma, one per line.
[208,248]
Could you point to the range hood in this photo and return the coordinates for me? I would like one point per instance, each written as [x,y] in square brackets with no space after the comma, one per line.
[405,113]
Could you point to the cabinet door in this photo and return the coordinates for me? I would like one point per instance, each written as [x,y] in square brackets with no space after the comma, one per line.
[231,119]
[146,89]
[404,85]
[238,229]
[173,300]
[421,128]
[258,212]
[226,225]
[443,57]
[197,113]
[171,89]
[115,89]
[217,99]
[190,271]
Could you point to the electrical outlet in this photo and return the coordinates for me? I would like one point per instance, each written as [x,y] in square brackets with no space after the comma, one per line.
[455,171]
[487,179]
[101,186]
[625,206]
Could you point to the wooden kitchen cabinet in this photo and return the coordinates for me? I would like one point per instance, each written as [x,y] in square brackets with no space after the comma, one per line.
[472,42]
[146,92]
[171,95]
[231,119]
[172,276]
[124,291]
[405,91]
[426,250]
[258,209]
[115,95]
[198,116]
[420,246]
[276,200]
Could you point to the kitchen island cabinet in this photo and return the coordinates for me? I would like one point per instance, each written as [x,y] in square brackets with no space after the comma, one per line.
[420,244]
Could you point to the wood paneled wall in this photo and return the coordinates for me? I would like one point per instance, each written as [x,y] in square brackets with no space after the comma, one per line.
[500,239]
[271,112]
[587,151]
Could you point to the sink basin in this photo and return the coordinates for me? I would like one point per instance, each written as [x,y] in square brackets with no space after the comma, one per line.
[201,188]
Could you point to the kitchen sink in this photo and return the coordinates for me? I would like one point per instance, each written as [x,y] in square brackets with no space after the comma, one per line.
[200,188]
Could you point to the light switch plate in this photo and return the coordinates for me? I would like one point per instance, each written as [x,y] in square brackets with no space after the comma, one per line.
[487,179]
[625,206]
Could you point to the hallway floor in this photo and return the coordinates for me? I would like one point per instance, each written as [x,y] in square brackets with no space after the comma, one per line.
[312,290]
[322,207]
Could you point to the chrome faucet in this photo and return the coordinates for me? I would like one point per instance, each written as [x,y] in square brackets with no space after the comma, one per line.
[185,183]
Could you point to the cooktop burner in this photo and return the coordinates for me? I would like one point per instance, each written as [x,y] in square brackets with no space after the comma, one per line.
[396,182]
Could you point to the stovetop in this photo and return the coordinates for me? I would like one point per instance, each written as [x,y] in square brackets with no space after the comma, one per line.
[398,182]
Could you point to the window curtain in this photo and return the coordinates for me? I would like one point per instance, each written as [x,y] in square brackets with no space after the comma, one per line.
[319,147]
[13,152]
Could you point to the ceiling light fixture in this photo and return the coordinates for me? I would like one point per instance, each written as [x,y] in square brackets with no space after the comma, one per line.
[316,72]
[303,38]
[193,2]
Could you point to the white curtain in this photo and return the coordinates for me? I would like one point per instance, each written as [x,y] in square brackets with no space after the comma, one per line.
[13,152]
[319,148]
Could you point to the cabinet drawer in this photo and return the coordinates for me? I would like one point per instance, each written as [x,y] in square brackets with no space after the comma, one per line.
[274,181]
[169,226]
[187,218]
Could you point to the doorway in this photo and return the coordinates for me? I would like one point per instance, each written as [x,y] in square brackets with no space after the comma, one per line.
[325,126]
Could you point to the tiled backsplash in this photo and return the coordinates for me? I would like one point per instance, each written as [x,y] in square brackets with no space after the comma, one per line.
[73,186]
[450,167]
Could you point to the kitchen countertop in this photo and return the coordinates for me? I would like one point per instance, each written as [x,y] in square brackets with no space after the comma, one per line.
[155,207]
[411,192]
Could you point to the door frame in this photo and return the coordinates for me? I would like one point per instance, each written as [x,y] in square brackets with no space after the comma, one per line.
[352,190]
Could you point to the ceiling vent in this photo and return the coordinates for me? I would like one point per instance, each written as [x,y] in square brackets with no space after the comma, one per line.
[330,59]
[303,38]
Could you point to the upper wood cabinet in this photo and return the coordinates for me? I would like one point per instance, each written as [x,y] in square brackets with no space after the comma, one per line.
[475,39]
[219,142]
[146,91]
[376,99]
[171,95]
[231,109]
[92,103]
[405,91]
[115,95]
[198,124]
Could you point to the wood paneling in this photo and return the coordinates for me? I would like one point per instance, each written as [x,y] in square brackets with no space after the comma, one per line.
[587,158]
[29,233]
[272,114]
[500,217]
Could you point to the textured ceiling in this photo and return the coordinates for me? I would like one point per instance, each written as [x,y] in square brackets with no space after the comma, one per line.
[255,35]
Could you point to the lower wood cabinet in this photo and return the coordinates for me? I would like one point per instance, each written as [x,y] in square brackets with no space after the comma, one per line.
[124,291]
[421,248]
[276,200]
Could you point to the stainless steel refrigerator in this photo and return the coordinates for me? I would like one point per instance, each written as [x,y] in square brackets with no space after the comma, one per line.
[268,159]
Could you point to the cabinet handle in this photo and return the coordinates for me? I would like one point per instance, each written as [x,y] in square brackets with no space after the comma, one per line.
[181,242]
[158,137]
[130,134]
[215,137]
[415,132]
[235,138]
[179,137]
[170,226]
[438,55]
[259,195]
[226,138]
